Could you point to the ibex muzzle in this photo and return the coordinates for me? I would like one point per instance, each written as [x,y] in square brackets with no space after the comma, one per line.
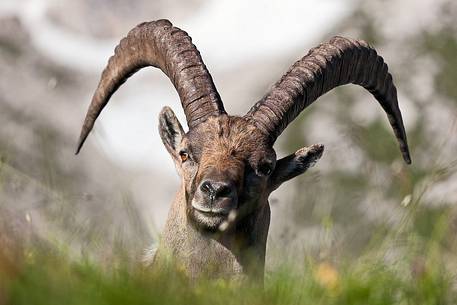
[227,164]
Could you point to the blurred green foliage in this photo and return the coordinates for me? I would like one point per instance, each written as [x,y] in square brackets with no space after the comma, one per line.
[443,45]
[55,279]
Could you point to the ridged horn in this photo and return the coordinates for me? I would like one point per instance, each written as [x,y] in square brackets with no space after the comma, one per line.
[161,45]
[338,62]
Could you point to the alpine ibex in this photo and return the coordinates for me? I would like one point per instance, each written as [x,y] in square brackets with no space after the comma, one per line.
[218,223]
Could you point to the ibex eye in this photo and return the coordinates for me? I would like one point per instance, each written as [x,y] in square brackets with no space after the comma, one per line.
[265,169]
[184,155]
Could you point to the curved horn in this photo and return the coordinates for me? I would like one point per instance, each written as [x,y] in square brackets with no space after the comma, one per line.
[338,62]
[161,45]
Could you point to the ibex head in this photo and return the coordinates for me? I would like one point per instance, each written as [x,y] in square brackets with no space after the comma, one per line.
[227,163]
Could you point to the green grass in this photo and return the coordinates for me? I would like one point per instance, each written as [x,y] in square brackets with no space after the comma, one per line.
[53,278]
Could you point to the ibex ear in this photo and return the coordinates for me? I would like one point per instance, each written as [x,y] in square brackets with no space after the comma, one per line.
[295,164]
[170,131]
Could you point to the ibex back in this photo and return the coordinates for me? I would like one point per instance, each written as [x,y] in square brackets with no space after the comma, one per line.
[218,223]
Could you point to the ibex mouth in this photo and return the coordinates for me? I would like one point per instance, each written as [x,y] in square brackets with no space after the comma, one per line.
[212,211]
[210,215]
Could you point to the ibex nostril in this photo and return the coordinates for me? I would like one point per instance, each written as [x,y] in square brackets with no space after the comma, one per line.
[223,190]
[216,189]
[206,187]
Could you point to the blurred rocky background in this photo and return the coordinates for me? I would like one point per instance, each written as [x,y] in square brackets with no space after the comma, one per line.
[114,196]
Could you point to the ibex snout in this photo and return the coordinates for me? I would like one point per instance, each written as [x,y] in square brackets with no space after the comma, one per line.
[219,196]
[215,197]
[217,189]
